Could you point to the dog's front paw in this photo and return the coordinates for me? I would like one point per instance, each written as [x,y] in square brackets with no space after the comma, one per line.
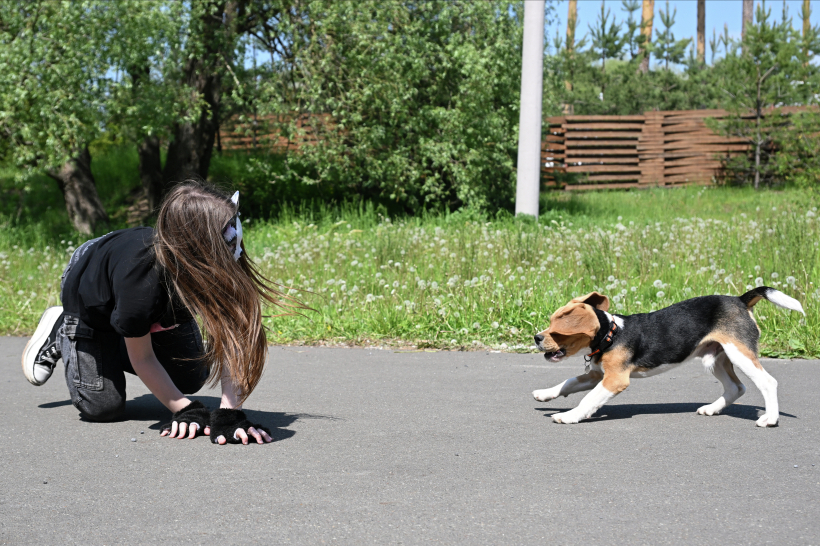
[711,409]
[545,395]
[768,421]
[568,417]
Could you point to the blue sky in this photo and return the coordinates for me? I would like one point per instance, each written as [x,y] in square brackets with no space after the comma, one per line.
[718,13]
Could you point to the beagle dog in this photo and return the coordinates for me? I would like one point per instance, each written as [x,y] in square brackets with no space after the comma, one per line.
[720,330]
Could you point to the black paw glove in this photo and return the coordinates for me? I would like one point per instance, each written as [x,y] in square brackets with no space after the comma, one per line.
[195,412]
[225,422]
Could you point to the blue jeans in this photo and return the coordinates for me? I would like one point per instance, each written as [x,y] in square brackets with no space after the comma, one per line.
[96,361]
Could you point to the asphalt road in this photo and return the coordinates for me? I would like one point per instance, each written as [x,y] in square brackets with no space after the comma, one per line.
[385,447]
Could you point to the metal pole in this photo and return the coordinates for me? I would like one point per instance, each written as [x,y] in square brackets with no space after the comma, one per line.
[529,125]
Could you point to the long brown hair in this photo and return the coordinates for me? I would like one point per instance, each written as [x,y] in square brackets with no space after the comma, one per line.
[225,295]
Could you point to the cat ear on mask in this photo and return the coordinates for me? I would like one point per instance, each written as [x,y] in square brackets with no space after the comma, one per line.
[233,232]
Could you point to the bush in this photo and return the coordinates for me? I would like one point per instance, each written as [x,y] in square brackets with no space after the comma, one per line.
[423,100]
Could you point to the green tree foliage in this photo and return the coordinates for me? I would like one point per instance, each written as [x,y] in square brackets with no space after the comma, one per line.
[53,83]
[767,71]
[54,59]
[632,38]
[606,38]
[666,47]
[421,98]
[144,72]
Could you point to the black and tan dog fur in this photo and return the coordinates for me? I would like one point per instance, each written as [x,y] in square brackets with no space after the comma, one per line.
[720,330]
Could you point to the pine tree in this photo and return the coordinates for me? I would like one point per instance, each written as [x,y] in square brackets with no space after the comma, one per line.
[763,73]
[607,41]
[633,38]
[713,45]
[666,47]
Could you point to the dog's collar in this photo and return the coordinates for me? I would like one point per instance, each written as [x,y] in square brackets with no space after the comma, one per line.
[603,340]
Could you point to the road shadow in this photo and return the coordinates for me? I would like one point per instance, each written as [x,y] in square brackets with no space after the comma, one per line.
[59,404]
[146,407]
[627,411]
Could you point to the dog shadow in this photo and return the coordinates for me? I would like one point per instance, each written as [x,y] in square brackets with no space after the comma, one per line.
[627,411]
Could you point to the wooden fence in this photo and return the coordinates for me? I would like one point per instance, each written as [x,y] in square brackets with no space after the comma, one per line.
[264,133]
[653,149]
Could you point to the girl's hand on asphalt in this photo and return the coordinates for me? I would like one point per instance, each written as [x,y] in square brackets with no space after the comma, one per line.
[190,428]
[261,436]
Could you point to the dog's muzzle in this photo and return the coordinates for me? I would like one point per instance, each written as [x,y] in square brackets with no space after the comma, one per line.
[553,356]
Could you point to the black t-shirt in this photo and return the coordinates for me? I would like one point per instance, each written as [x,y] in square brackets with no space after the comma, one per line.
[116,285]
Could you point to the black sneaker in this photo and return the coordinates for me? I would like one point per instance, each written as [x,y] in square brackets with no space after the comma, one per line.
[43,349]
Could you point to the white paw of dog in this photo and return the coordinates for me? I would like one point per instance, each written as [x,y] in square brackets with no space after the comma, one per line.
[544,395]
[710,409]
[767,421]
[568,417]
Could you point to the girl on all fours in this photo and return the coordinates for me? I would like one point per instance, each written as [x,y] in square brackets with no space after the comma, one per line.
[129,301]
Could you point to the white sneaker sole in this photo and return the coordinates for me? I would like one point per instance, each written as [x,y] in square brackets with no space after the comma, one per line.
[34,345]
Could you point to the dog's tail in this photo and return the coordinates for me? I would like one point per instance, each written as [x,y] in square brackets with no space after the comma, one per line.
[777,297]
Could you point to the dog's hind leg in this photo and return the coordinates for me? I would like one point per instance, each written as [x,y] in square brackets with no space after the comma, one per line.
[748,363]
[733,389]
[576,384]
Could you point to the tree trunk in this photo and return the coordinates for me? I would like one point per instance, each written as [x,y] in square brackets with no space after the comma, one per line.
[192,144]
[150,163]
[190,151]
[151,171]
[758,115]
[806,13]
[647,15]
[748,16]
[702,31]
[572,20]
[82,202]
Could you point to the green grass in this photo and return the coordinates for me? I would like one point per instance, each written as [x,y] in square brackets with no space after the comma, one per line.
[467,281]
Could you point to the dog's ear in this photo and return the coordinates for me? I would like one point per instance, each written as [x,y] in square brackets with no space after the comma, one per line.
[573,319]
[598,301]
